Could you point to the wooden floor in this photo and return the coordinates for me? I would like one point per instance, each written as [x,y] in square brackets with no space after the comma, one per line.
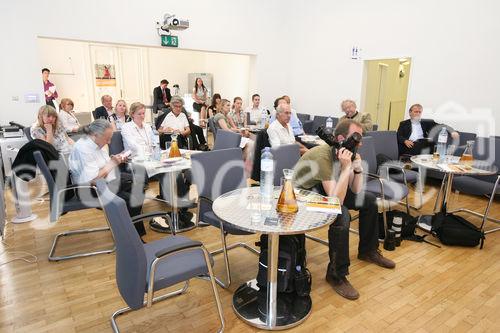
[431,289]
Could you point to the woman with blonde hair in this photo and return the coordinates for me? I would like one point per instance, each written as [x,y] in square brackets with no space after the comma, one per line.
[48,128]
[120,116]
[67,116]
[137,135]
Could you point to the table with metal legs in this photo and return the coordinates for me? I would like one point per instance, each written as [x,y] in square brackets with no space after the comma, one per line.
[268,309]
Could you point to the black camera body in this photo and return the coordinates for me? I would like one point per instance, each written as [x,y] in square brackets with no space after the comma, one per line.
[350,144]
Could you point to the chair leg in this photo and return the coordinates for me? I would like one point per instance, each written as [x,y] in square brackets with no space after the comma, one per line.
[127,309]
[214,288]
[224,250]
[78,255]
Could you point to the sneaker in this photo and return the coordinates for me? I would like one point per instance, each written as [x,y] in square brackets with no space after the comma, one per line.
[342,286]
[160,224]
[377,258]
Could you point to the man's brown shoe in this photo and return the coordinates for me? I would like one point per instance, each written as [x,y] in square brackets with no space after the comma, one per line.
[377,258]
[342,287]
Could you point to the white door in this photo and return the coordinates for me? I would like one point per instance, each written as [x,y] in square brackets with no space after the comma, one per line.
[129,75]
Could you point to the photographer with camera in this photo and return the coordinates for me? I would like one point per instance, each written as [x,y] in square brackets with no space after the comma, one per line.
[335,169]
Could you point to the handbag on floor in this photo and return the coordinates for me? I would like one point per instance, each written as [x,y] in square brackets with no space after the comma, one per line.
[455,230]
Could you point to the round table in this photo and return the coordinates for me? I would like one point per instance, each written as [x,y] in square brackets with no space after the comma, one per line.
[154,167]
[451,166]
[241,209]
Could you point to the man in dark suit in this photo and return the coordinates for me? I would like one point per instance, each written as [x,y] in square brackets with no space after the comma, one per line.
[416,134]
[106,109]
[161,96]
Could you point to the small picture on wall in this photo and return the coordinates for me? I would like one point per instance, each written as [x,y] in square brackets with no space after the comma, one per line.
[105,75]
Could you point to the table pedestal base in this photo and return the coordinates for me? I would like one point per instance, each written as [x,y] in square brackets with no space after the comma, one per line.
[249,304]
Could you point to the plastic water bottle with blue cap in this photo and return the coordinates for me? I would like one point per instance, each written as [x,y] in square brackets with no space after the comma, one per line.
[266,178]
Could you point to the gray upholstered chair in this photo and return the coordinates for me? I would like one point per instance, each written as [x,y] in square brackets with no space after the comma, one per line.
[384,189]
[303,117]
[486,152]
[212,127]
[226,139]
[147,268]
[63,199]
[285,157]
[215,173]
[375,127]
[319,121]
[116,144]
[27,133]
[386,143]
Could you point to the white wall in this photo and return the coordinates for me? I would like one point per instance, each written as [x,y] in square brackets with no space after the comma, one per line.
[232,26]
[302,47]
[453,45]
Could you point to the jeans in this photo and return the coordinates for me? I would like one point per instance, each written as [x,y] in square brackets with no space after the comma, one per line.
[338,233]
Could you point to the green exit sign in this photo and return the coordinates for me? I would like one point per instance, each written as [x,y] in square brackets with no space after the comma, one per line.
[168,40]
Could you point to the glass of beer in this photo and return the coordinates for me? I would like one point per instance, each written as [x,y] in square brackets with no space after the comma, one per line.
[435,155]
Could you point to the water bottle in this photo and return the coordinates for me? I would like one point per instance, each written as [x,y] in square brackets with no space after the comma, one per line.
[157,153]
[441,145]
[266,178]
[329,125]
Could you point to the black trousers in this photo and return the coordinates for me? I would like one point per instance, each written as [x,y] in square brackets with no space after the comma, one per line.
[197,135]
[338,233]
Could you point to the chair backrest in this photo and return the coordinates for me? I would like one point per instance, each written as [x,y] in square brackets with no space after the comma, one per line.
[212,127]
[375,127]
[261,141]
[318,121]
[116,145]
[285,157]
[385,142]
[466,136]
[94,114]
[367,152]
[27,133]
[60,169]
[131,262]
[487,149]
[84,118]
[227,139]
[217,172]
[160,119]
[303,117]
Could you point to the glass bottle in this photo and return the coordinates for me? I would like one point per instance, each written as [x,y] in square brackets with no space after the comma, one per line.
[287,203]
[174,147]
[467,158]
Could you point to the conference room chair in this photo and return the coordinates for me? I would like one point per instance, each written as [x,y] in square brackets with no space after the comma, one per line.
[143,269]
[386,143]
[386,190]
[261,141]
[63,199]
[215,173]
[27,133]
[285,157]
[226,139]
[303,117]
[319,121]
[375,127]
[486,153]
[211,126]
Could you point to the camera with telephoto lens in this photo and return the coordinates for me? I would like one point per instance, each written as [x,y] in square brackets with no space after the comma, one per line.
[351,143]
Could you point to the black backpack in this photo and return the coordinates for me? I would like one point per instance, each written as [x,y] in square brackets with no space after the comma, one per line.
[455,230]
[293,275]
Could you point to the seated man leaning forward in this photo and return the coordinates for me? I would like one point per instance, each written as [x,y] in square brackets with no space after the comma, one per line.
[89,162]
[280,132]
[413,133]
[330,171]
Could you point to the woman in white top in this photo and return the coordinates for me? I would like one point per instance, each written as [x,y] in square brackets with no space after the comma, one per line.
[199,96]
[49,128]
[67,116]
[120,117]
[137,135]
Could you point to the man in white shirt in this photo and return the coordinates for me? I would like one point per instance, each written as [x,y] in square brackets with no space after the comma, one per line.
[255,110]
[280,132]
[176,122]
[88,162]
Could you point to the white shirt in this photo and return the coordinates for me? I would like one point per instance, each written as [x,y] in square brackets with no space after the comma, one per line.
[416,131]
[280,135]
[179,122]
[137,139]
[255,114]
[86,160]
[68,120]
